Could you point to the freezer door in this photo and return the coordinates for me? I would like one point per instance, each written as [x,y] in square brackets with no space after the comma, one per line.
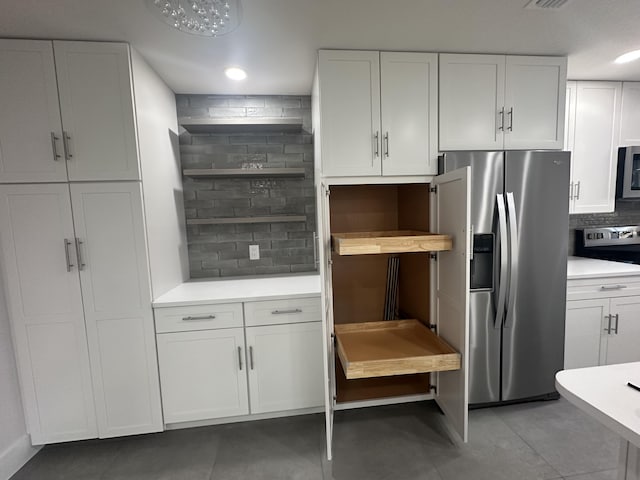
[451,217]
[536,188]
[486,181]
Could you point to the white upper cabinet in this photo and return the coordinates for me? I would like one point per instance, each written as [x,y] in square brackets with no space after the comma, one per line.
[492,102]
[630,115]
[594,146]
[73,113]
[30,129]
[378,113]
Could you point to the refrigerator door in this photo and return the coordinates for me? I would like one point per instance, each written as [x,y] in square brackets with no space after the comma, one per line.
[487,176]
[537,192]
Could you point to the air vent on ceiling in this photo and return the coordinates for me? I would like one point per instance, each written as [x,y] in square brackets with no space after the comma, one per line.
[546,4]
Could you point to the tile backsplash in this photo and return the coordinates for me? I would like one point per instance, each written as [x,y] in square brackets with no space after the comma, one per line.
[222,250]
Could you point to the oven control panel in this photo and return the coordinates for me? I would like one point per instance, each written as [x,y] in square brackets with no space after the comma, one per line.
[592,237]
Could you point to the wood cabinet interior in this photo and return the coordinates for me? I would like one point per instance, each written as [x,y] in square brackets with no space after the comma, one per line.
[359,281]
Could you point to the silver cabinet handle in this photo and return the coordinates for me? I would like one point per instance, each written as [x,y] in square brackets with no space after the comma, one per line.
[67,242]
[376,144]
[617,320]
[501,113]
[202,317]
[612,287]
[79,244]
[571,191]
[65,141]
[502,293]
[510,128]
[513,253]
[54,147]
[283,312]
[386,143]
[251,357]
[578,190]
[315,249]
[240,357]
[608,329]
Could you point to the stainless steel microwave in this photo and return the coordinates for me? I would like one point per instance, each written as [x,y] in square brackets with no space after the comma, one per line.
[628,177]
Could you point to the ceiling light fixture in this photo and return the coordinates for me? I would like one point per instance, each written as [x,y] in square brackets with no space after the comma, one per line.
[208,18]
[235,73]
[628,57]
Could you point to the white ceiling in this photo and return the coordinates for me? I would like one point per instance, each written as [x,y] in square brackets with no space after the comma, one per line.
[277,40]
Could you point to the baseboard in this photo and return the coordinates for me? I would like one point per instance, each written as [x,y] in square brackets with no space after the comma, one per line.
[14,457]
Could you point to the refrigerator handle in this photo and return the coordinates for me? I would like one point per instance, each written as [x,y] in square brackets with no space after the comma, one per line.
[502,290]
[513,277]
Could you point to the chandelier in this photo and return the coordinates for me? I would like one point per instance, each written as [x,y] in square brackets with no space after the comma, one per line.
[209,18]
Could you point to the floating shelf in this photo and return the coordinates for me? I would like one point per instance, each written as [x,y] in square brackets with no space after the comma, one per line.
[397,241]
[244,172]
[241,125]
[268,219]
[394,347]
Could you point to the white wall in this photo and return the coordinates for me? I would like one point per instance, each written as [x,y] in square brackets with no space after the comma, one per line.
[161,177]
[15,448]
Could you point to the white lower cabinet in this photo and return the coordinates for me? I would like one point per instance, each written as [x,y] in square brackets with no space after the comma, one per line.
[583,332]
[211,366]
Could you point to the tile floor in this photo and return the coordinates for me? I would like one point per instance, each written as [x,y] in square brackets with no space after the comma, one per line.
[543,440]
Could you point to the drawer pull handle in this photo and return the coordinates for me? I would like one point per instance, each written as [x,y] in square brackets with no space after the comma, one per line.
[251,357]
[203,317]
[283,312]
[612,287]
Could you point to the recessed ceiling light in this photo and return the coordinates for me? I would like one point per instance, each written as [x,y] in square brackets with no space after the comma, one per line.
[235,73]
[628,57]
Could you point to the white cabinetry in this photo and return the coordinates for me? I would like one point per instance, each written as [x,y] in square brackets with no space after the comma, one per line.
[211,367]
[630,115]
[494,102]
[50,256]
[73,114]
[378,113]
[594,123]
[602,323]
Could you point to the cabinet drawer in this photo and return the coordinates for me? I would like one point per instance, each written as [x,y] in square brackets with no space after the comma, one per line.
[603,288]
[277,312]
[198,317]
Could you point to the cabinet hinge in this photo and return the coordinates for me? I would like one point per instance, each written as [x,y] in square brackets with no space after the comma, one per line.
[327,192]
[433,256]
[433,189]
[433,327]
[433,388]
[330,262]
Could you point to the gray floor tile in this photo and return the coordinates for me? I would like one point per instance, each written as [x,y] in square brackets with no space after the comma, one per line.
[569,440]
[175,455]
[282,449]
[606,475]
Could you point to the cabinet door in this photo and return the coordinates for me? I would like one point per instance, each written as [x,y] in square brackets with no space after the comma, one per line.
[350,112]
[203,374]
[622,343]
[285,367]
[451,213]
[112,259]
[45,305]
[409,103]
[569,131]
[595,146]
[535,90]
[471,102]
[584,332]
[94,82]
[630,116]
[30,128]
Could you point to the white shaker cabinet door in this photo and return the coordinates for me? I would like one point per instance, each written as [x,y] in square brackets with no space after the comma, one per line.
[285,367]
[535,89]
[113,266]
[585,337]
[30,129]
[94,82]
[630,116]
[45,305]
[203,374]
[409,100]
[623,343]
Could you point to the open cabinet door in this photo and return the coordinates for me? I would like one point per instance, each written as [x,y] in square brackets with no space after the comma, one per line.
[328,348]
[451,216]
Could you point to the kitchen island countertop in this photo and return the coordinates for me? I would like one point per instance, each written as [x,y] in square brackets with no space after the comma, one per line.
[584,268]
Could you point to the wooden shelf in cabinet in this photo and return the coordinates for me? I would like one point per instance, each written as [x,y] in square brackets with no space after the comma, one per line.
[393,347]
[397,241]
[243,172]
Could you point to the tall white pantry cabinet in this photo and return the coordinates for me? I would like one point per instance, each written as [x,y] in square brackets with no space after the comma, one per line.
[73,237]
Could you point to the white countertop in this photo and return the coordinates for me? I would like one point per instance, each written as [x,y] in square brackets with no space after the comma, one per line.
[199,292]
[602,392]
[580,268]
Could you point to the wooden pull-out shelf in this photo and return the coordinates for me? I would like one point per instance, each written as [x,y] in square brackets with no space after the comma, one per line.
[394,347]
[397,241]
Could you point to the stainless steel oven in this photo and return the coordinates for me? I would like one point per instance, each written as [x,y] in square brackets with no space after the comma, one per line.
[628,177]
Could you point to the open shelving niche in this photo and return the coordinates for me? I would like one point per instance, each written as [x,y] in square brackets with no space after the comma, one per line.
[388,358]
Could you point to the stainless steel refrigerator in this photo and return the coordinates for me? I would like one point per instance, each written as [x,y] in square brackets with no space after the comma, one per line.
[519,216]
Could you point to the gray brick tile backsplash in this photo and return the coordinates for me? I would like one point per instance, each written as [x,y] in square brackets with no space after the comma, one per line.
[223,250]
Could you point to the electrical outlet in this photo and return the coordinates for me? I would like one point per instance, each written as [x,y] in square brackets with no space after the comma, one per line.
[254,252]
